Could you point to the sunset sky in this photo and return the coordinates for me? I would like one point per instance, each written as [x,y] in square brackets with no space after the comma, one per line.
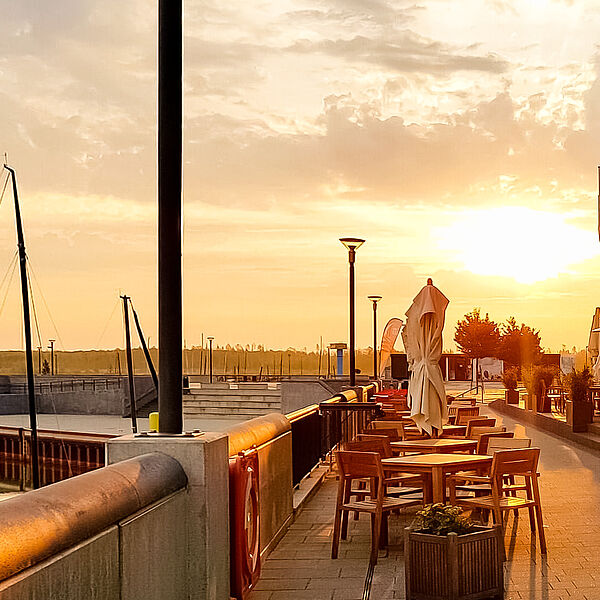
[461,139]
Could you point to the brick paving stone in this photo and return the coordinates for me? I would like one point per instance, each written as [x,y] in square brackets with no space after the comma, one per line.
[301,566]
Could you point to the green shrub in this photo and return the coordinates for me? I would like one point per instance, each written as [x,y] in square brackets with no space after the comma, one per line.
[442,519]
[533,377]
[578,385]
[510,378]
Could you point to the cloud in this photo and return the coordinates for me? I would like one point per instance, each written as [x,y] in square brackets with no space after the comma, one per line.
[408,52]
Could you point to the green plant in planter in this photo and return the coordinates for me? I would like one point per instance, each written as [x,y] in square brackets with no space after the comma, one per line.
[578,385]
[533,379]
[442,519]
[510,378]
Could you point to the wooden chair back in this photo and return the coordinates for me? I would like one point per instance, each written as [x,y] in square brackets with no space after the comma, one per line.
[499,443]
[394,434]
[370,443]
[464,412]
[479,422]
[358,465]
[477,431]
[515,462]
[485,438]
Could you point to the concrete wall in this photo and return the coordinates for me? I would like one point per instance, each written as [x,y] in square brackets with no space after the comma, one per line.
[112,401]
[141,557]
[204,458]
[298,394]
[118,533]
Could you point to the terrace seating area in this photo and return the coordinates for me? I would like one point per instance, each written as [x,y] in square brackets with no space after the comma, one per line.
[549,547]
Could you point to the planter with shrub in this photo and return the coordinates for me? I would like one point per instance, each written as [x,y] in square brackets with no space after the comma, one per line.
[510,379]
[537,380]
[580,410]
[447,557]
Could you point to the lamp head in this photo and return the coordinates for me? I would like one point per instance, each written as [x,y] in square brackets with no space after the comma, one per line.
[374,299]
[352,244]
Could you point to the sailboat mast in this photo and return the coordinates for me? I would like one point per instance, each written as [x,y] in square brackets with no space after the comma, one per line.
[27,328]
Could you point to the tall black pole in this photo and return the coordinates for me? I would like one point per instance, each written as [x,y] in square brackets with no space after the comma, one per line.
[145,348]
[170,72]
[375,300]
[210,368]
[35,472]
[375,340]
[351,259]
[51,356]
[129,364]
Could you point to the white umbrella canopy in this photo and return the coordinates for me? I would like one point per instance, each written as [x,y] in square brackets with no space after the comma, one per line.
[594,341]
[422,338]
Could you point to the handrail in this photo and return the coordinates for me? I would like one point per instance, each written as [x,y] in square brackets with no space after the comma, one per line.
[296,415]
[44,522]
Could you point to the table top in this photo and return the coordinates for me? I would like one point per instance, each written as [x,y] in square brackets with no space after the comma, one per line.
[435,443]
[437,460]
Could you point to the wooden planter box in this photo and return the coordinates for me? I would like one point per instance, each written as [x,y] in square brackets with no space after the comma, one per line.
[511,396]
[579,415]
[454,567]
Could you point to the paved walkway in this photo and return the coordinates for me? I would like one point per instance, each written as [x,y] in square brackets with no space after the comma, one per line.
[301,568]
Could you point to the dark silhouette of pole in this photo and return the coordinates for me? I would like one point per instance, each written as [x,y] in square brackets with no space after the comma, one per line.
[129,364]
[210,362]
[145,347]
[51,346]
[375,300]
[170,77]
[352,244]
[35,467]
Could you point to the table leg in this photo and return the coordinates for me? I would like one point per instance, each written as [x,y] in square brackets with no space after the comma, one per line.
[437,482]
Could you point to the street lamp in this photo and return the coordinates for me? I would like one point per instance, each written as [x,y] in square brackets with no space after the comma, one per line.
[210,339]
[51,346]
[374,300]
[352,244]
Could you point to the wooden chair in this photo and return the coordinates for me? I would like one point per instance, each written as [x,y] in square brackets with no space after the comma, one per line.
[479,422]
[505,464]
[396,484]
[484,440]
[395,433]
[360,465]
[464,412]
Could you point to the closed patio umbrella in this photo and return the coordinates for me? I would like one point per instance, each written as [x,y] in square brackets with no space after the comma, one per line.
[422,338]
[594,341]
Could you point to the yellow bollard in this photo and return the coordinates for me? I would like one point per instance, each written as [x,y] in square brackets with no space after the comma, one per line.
[153,421]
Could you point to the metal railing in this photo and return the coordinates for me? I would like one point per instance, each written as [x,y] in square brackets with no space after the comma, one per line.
[62,454]
[69,385]
[320,428]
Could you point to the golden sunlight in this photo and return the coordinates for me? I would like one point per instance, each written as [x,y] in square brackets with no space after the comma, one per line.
[518,242]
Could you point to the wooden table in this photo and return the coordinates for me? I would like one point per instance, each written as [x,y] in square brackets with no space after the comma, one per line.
[434,468]
[447,429]
[436,446]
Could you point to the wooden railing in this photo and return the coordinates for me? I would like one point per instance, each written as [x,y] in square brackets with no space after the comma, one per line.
[62,454]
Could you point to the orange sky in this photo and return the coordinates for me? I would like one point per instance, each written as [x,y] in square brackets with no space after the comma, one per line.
[458,138]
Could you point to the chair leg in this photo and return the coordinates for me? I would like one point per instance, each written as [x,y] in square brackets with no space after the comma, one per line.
[530,508]
[347,492]
[538,515]
[375,535]
[335,542]
[384,539]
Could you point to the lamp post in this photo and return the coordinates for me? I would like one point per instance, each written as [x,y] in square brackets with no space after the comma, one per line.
[352,244]
[210,339]
[374,300]
[51,346]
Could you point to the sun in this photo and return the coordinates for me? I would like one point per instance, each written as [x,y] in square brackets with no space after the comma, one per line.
[514,241]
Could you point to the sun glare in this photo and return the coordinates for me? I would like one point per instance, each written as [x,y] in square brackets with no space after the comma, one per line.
[517,242]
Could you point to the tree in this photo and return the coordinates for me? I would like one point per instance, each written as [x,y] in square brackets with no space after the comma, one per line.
[477,337]
[520,345]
